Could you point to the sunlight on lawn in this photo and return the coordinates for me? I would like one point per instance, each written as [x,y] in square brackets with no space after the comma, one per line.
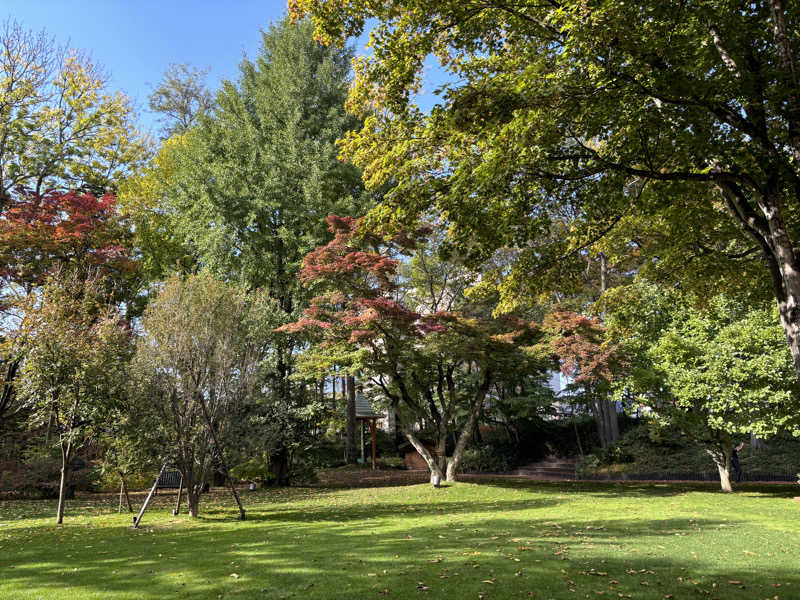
[503,539]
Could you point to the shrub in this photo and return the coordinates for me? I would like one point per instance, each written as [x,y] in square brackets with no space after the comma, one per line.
[391,462]
[303,473]
[493,457]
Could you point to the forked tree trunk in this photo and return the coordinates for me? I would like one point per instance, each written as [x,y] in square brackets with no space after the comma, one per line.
[433,467]
[722,458]
[764,222]
[469,427]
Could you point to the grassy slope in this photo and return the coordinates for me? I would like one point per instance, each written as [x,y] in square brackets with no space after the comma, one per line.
[501,539]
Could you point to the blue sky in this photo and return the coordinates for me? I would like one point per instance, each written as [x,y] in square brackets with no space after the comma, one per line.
[135,40]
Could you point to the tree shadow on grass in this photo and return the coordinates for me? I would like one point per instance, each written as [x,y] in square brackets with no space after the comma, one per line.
[405,549]
[628,489]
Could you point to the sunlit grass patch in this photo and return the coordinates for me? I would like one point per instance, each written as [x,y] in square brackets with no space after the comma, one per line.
[496,539]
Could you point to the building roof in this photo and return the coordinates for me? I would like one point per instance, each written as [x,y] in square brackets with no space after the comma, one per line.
[363,408]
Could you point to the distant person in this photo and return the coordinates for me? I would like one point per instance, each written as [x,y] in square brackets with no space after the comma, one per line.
[737,468]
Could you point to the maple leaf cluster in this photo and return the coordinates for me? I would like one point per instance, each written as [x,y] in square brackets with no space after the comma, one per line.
[363,304]
[580,345]
[40,233]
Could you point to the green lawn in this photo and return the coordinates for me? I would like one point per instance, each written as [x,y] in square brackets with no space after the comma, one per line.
[497,539]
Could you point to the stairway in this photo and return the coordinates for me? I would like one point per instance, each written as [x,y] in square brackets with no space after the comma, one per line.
[549,468]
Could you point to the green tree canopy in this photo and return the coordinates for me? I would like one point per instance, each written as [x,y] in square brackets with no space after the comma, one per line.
[676,125]
[60,126]
[198,366]
[714,371]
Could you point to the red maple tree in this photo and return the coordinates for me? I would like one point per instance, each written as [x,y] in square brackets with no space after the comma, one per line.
[40,233]
[430,364]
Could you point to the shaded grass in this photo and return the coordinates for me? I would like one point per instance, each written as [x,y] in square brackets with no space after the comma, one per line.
[498,539]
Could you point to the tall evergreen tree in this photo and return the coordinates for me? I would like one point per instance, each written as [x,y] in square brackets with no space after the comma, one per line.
[250,184]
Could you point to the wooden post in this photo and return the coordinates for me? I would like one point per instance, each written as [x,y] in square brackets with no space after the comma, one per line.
[138,519]
[121,486]
[124,490]
[180,493]
[372,428]
[363,457]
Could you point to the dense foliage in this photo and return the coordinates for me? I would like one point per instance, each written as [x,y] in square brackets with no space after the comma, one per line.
[430,352]
[668,128]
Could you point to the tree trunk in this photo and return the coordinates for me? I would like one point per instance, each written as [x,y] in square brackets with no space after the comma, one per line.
[605,415]
[124,490]
[469,426]
[440,451]
[65,456]
[279,467]
[193,499]
[613,420]
[577,434]
[427,456]
[766,226]
[350,448]
[725,477]
[722,458]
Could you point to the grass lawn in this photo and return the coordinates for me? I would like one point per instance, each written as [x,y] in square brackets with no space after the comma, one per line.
[497,539]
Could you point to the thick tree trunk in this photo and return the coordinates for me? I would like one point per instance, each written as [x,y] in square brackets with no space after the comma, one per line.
[605,414]
[721,456]
[725,477]
[766,226]
[613,420]
[423,452]
[440,451]
[350,448]
[279,467]
[66,451]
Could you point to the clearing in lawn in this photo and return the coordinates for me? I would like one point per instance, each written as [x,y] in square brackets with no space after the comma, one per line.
[496,539]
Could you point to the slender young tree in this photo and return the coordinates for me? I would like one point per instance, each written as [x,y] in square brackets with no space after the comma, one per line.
[76,348]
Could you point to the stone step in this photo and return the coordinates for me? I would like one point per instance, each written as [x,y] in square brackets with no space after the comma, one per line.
[551,467]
